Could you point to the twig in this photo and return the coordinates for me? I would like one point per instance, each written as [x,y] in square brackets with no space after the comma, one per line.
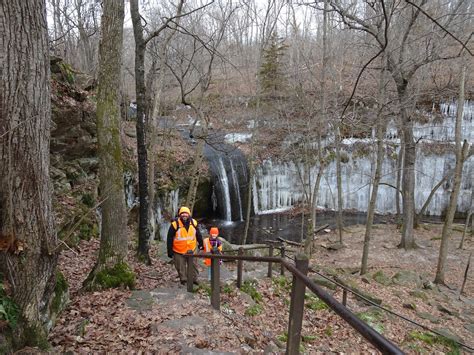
[67,246]
[80,220]
[440,26]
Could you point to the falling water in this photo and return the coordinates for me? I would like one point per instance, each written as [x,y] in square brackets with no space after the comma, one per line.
[235,181]
[225,187]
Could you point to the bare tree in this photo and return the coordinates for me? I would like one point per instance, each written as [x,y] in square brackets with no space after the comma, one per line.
[27,232]
[75,30]
[141,42]
[461,152]
[113,241]
[399,30]
[379,135]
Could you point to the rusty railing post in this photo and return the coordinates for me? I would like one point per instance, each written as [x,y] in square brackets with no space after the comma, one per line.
[215,284]
[296,307]
[240,264]
[282,254]
[270,253]
[190,272]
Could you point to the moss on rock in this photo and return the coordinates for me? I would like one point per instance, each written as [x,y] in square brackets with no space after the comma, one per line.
[60,293]
[118,276]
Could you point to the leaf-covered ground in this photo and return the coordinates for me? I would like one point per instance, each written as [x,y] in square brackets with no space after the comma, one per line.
[160,316]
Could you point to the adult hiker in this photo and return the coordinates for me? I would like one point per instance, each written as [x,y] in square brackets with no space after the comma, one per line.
[184,238]
[212,245]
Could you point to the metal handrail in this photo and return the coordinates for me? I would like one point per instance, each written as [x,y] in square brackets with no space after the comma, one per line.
[369,333]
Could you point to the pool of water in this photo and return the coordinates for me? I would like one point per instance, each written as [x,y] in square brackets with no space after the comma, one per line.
[285,225]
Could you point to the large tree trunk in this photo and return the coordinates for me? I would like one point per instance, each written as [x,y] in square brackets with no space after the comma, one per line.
[152,100]
[113,240]
[140,46]
[408,181]
[28,258]
[448,222]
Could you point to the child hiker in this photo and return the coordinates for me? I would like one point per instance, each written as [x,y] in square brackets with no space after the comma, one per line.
[212,245]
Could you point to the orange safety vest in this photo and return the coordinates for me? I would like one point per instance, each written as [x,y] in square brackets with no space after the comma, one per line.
[184,240]
[208,249]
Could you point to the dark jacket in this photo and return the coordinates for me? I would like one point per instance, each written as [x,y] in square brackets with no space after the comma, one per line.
[172,233]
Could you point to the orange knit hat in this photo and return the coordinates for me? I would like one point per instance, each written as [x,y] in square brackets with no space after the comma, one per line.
[214,232]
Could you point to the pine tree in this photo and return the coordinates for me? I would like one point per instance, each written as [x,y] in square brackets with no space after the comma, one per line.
[272,79]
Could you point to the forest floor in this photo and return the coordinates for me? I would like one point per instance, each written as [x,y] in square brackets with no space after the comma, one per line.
[160,316]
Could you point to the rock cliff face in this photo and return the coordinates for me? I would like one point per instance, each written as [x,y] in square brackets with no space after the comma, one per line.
[73,153]
[73,129]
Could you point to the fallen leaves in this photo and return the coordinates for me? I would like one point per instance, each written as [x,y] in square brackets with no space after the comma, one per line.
[102,321]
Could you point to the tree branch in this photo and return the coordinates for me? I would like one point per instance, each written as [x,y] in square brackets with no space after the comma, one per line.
[440,26]
[168,20]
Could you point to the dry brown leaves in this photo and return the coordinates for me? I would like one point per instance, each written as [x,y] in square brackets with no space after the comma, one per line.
[102,321]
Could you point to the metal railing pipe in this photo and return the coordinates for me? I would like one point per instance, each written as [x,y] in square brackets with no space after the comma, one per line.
[372,336]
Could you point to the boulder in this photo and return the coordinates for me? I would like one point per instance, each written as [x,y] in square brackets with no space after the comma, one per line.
[381,278]
[407,278]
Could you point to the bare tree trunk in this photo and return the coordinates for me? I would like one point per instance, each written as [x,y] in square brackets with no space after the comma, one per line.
[195,174]
[251,159]
[324,68]
[28,256]
[152,103]
[154,108]
[88,50]
[140,46]
[113,240]
[466,226]
[380,130]
[408,181]
[337,138]
[428,200]
[443,250]
[399,173]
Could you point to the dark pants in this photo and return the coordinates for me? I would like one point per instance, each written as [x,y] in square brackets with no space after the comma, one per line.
[180,264]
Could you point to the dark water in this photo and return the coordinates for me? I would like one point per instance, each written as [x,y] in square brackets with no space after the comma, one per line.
[270,226]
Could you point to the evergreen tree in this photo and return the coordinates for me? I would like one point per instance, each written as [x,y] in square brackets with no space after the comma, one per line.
[272,79]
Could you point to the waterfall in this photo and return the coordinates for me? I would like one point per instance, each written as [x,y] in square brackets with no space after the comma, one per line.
[229,175]
[224,182]
[166,207]
[277,184]
[235,183]
[130,198]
